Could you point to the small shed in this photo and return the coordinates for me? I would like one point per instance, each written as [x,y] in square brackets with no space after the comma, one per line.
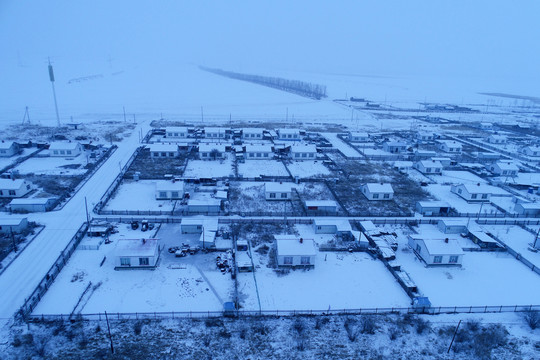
[331,226]
[13,224]
[206,206]
[304,152]
[429,208]
[453,226]
[163,150]
[292,251]
[484,240]
[395,147]
[278,190]
[321,207]
[378,191]
[369,228]
[136,254]
[169,190]
[436,252]
[527,209]
[14,188]
[196,225]
[429,167]
[355,136]
[32,204]
[403,165]
[65,149]
[8,148]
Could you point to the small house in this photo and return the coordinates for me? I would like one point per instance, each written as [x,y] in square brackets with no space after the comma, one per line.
[394,147]
[65,149]
[445,161]
[288,134]
[8,148]
[214,133]
[497,139]
[136,254]
[14,188]
[26,205]
[486,126]
[211,151]
[196,225]
[424,154]
[527,209]
[429,167]
[331,226]
[531,150]
[13,225]
[504,168]
[176,132]
[378,191]
[163,151]
[206,206]
[425,136]
[321,207]
[430,208]
[436,251]
[355,136]
[292,251]
[252,133]
[483,240]
[278,191]
[450,146]
[453,226]
[304,152]
[259,152]
[169,190]
[471,192]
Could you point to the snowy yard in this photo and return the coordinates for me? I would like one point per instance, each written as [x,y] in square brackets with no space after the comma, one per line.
[145,199]
[255,168]
[191,283]
[209,168]
[306,169]
[54,165]
[443,193]
[6,161]
[517,238]
[457,177]
[342,146]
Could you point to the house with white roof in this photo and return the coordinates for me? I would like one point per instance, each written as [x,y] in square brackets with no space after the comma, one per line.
[207,151]
[395,147]
[355,136]
[292,251]
[429,167]
[8,148]
[436,251]
[252,133]
[214,133]
[527,209]
[445,161]
[424,154]
[497,139]
[288,134]
[430,208]
[14,188]
[65,149]
[13,224]
[472,192]
[425,136]
[321,207]
[453,226]
[31,204]
[504,168]
[378,191]
[304,152]
[259,152]
[136,254]
[278,191]
[531,150]
[486,126]
[204,206]
[176,132]
[169,190]
[206,228]
[450,146]
[331,226]
[160,150]
[485,241]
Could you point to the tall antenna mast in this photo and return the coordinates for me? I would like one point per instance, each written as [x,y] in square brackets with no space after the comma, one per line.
[26,117]
[51,77]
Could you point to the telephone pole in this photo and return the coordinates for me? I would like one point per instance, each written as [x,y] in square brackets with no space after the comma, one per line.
[51,77]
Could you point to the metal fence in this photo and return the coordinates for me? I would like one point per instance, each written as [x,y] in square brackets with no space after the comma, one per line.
[275,313]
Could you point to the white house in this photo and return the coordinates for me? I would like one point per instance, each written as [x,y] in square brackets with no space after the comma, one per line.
[497,139]
[252,133]
[163,150]
[527,209]
[504,168]
[176,132]
[292,251]
[206,206]
[14,188]
[453,226]
[259,152]
[278,191]
[378,191]
[304,152]
[288,134]
[136,254]
[8,148]
[429,208]
[355,136]
[445,161]
[429,167]
[331,226]
[65,149]
[531,150]
[424,154]
[214,133]
[207,151]
[471,192]
[394,147]
[321,207]
[486,126]
[450,146]
[169,190]
[425,136]
[436,252]
[32,204]
[13,224]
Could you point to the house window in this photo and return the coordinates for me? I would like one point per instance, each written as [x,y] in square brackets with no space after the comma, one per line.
[272,195]
[484,196]
[319,227]
[174,194]
[283,195]
[162,194]
[27,187]
[1,192]
[265,155]
[437,259]
[287,260]
[204,154]
[437,170]
[428,169]
[311,155]
[199,227]
[418,248]
[259,155]
[304,155]
[386,196]
[296,155]
[453,259]
[304,260]
[12,192]
[144,261]
[68,152]
[474,196]
[125,261]
[62,152]
[375,196]
[163,154]
[459,191]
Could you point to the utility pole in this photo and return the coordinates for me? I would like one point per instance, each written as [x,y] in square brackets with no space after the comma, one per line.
[51,78]
[124,108]
[26,117]
[202,114]
[109,330]
[455,333]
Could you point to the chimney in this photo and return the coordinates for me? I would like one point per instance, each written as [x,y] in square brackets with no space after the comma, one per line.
[446,240]
[301,240]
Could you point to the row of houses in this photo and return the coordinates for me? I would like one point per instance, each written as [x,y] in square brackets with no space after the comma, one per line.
[219,133]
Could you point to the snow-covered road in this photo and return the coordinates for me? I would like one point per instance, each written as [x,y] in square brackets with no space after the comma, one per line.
[24,274]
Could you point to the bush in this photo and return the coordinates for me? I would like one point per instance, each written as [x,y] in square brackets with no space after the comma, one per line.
[137,328]
[532,318]
[351,328]
[394,332]
[16,341]
[299,326]
[224,334]
[320,321]
[472,325]
[488,339]
[213,322]
[422,325]
[368,325]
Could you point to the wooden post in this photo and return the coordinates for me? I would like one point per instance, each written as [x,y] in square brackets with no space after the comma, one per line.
[453,337]
[109,331]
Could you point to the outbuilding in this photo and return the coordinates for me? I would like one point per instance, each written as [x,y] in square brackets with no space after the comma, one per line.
[25,205]
[321,207]
[292,251]
[430,208]
[13,224]
[206,206]
[453,226]
[485,241]
[65,149]
[8,148]
[331,226]
[278,191]
[169,190]
[527,209]
[14,188]
[136,254]
[378,191]
[436,252]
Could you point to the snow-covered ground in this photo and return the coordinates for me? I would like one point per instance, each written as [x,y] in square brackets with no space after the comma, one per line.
[255,168]
[443,193]
[517,238]
[209,168]
[6,161]
[306,169]
[339,144]
[123,198]
[54,165]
